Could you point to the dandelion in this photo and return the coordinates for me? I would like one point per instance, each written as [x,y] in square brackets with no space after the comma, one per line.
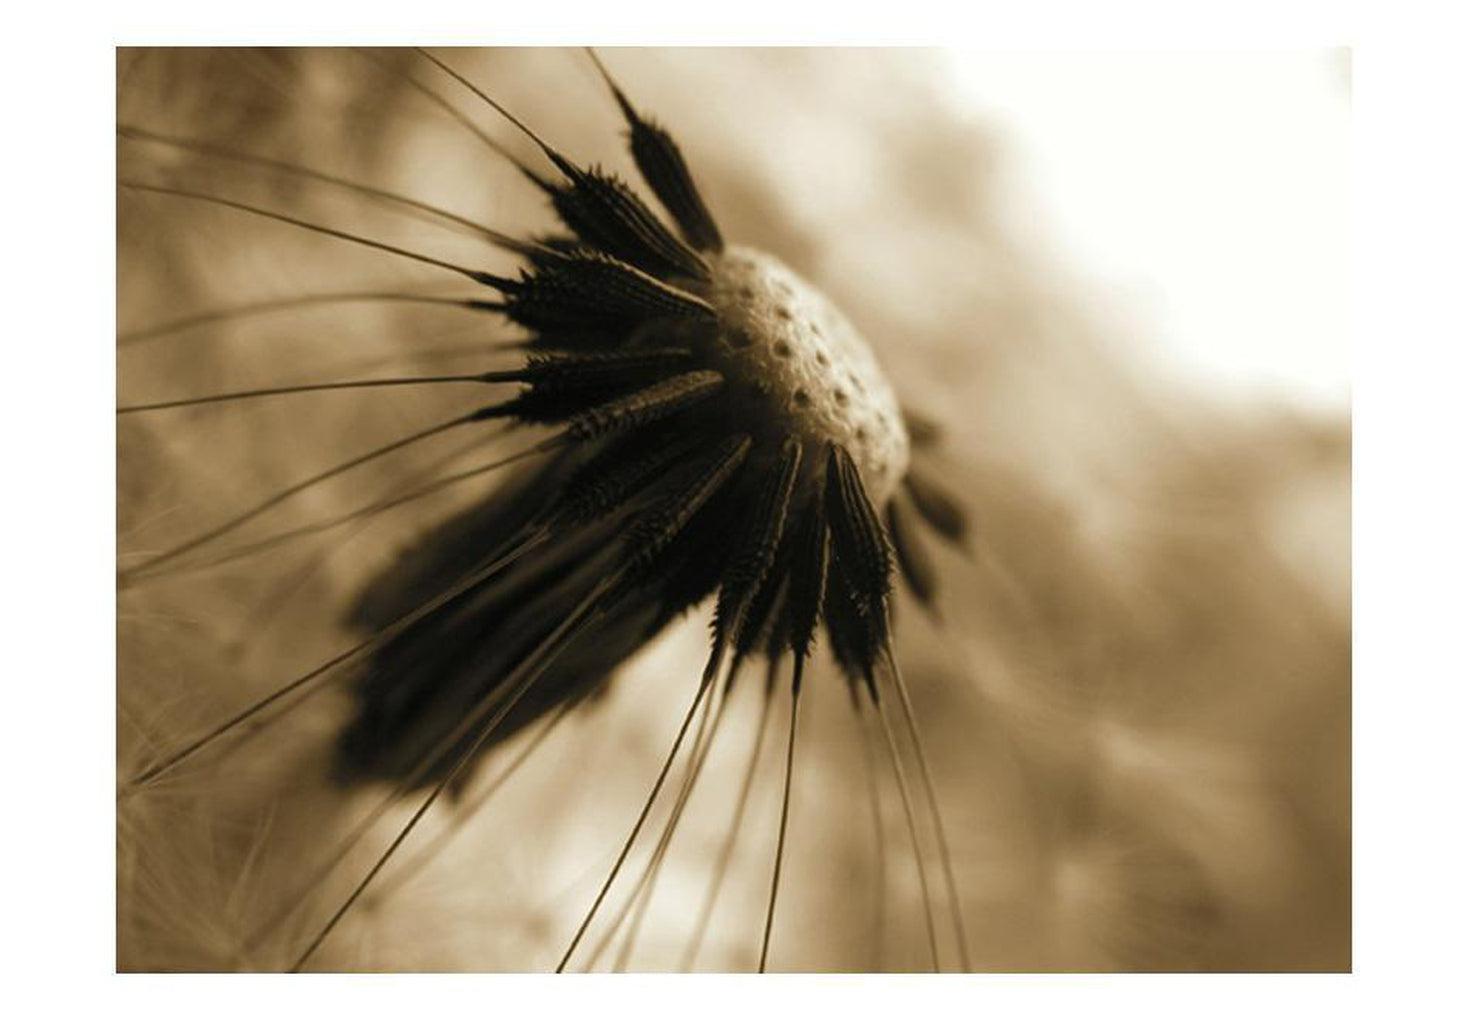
[704,425]
[431,427]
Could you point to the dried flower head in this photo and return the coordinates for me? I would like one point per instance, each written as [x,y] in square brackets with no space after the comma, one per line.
[717,429]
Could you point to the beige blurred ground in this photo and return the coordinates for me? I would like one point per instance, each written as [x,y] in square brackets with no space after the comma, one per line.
[1139,705]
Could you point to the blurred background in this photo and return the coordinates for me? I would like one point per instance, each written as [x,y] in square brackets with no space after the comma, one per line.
[1118,281]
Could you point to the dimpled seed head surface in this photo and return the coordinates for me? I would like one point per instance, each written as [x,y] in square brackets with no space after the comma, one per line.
[785,342]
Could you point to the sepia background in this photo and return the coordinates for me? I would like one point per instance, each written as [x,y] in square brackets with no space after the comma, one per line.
[1117,280]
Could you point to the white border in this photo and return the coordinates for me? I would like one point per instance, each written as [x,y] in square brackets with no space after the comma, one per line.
[1409,507]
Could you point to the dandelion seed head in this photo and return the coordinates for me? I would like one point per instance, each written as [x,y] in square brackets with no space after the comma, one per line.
[811,373]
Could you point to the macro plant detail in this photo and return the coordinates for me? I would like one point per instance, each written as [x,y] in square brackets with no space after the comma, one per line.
[363,497]
[715,428]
